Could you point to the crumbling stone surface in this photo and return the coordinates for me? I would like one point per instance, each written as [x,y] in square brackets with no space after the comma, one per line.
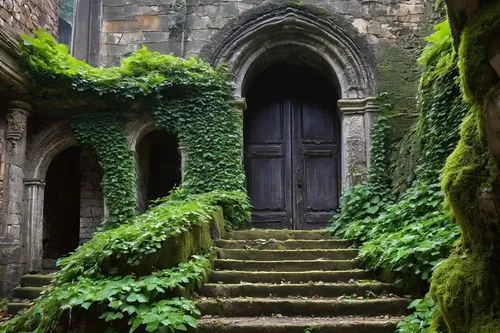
[27,15]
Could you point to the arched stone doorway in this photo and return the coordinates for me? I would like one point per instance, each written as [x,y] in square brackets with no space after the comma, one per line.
[63,198]
[61,205]
[292,147]
[159,166]
[277,33]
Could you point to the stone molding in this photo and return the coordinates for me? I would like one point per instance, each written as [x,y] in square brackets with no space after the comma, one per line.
[11,73]
[357,106]
[332,47]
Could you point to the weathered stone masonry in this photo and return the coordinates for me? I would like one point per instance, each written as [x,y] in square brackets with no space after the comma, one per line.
[342,38]
[27,15]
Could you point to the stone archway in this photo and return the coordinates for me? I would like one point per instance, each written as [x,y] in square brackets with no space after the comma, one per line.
[43,149]
[137,133]
[327,43]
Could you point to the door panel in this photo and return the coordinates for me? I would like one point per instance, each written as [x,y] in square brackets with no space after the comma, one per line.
[291,157]
[316,159]
[267,156]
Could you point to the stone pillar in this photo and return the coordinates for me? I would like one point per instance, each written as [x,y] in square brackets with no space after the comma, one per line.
[184,157]
[91,197]
[12,231]
[35,189]
[357,117]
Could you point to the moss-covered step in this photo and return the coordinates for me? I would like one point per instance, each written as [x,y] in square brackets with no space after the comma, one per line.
[14,307]
[36,280]
[248,307]
[285,277]
[286,265]
[280,324]
[303,290]
[278,234]
[28,293]
[290,244]
[273,255]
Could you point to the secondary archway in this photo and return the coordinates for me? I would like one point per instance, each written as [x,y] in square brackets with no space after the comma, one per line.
[292,141]
[159,166]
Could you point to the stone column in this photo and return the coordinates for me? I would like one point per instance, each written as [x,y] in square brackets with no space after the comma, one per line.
[12,230]
[35,189]
[15,137]
[357,118]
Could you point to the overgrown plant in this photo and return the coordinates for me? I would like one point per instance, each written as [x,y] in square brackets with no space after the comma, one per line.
[413,234]
[186,97]
[135,274]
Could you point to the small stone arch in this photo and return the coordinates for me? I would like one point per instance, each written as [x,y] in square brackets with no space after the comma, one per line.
[86,214]
[329,41]
[45,146]
[136,132]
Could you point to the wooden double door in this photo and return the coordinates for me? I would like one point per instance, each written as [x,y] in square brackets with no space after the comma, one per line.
[292,154]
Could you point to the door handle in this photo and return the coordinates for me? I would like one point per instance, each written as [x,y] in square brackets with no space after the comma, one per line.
[300,178]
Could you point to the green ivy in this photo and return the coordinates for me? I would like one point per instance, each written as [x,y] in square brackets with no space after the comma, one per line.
[184,96]
[123,274]
[102,132]
[412,234]
[144,301]
[420,320]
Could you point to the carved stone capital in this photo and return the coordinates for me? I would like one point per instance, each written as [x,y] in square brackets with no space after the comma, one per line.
[357,106]
[17,118]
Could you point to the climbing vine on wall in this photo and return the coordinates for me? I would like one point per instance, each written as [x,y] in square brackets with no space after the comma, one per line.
[102,132]
[186,97]
[412,234]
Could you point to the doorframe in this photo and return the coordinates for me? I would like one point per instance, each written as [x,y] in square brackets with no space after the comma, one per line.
[333,44]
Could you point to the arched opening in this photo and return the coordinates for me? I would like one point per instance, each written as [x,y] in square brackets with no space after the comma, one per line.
[292,145]
[61,206]
[159,164]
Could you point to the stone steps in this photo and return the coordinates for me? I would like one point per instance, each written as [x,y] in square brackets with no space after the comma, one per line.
[273,244]
[278,281]
[274,255]
[366,289]
[31,287]
[285,265]
[279,324]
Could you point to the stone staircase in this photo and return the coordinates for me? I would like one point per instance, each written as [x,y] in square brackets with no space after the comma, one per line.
[277,281]
[30,288]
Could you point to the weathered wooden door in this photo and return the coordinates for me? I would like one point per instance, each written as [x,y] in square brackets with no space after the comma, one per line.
[291,156]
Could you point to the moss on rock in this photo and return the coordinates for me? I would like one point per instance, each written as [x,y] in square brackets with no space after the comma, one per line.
[467,285]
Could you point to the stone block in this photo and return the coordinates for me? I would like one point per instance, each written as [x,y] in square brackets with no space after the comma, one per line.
[139,24]
[130,12]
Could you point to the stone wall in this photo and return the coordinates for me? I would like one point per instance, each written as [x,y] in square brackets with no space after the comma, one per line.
[184,29]
[27,15]
[91,199]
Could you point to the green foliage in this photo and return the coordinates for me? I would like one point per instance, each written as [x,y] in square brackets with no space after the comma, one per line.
[466,285]
[186,97]
[102,132]
[146,234]
[419,320]
[141,301]
[413,234]
[124,275]
[366,201]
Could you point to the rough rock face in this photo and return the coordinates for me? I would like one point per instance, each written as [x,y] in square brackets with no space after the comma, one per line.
[29,15]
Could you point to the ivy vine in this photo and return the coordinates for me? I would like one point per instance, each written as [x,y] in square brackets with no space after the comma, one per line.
[102,132]
[187,97]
